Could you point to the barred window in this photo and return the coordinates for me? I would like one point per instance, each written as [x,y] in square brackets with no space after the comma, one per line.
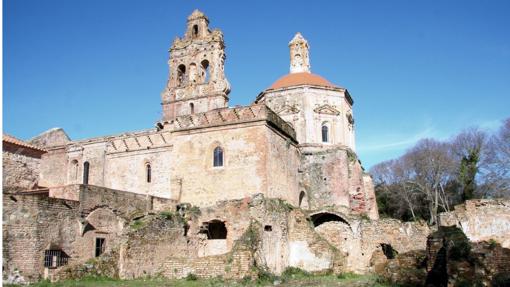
[55,258]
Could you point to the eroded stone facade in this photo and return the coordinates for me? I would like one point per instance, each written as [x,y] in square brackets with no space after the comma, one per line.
[277,182]
[294,143]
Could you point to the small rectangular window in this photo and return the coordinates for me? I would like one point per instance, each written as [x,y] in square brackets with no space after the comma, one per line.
[99,246]
[55,258]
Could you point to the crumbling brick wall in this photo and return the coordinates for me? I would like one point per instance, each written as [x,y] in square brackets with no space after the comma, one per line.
[20,171]
[31,224]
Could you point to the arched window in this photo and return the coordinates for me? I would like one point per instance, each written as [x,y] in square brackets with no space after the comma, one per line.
[195,31]
[218,156]
[325,133]
[148,172]
[74,171]
[205,71]
[181,72]
[191,108]
[86,167]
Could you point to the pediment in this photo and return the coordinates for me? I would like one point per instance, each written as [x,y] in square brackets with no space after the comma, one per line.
[287,110]
[327,109]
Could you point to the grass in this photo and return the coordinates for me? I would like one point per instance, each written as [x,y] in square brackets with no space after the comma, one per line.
[294,278]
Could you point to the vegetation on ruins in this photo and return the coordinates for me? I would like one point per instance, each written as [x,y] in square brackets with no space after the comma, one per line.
[349,280]
[435,175]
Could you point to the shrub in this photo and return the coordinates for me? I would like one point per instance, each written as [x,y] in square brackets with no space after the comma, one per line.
[492,243]
[292,272]
[191,277]
[166,215]
[347,275]
[137,224]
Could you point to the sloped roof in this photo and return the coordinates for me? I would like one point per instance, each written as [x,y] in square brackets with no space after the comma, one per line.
[12,140]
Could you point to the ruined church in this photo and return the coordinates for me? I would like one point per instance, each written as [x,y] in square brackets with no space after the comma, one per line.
[187,195]
[295,142]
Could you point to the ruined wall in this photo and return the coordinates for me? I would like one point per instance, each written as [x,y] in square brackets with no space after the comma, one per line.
[19,171]
[283,162]
[334,177]
[481,219]
[51,138]
[266,231]
[33,223]
[362,239]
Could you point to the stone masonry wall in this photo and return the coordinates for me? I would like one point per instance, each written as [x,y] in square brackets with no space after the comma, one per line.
[32,223]
[481,220]
[19,171]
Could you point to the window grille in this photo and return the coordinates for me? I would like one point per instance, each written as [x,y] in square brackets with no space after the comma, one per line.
[55,258]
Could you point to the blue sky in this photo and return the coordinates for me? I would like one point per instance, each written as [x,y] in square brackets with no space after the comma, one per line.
[414,68]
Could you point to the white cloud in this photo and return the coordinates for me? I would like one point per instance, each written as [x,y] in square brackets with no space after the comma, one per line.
[401,143]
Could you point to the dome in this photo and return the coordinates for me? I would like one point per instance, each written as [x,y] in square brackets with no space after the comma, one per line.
[298,79]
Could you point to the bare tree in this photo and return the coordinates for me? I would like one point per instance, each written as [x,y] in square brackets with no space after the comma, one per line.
[430,165]
[497,169]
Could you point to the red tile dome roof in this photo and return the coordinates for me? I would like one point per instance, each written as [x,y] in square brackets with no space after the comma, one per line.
[298,79]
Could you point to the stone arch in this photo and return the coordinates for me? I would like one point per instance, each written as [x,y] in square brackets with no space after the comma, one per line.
[194,31]
[206,74]
[326,216]
[101,230]
[104,220]
[181,74]
[74,171]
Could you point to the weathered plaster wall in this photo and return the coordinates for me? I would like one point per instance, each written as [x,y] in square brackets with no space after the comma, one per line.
[250,163]
[54,168]
[308,108]
[283,162]
[481,220]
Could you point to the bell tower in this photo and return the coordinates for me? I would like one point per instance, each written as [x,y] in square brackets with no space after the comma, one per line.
[196,81]
[299,58]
